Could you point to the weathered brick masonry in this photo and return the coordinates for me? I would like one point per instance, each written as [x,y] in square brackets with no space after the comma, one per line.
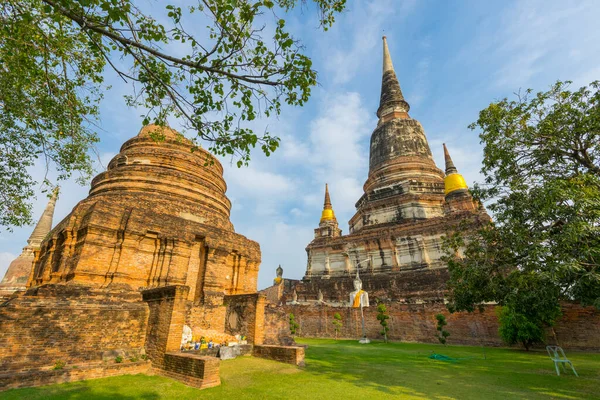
[71,324]
[194,370]
[287,354]
[71,373]
[245,315]
[149,250]
[165,322]
[578,328]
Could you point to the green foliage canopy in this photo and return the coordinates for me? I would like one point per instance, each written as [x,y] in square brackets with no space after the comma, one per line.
[542,184]
[53,54]
[516,328]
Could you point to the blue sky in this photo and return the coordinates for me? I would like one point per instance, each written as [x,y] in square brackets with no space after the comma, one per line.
[452,60]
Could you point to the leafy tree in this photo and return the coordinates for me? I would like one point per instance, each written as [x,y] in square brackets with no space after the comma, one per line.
[293,325]
[519,328]
[382,317]
[337,324]
[441,333]
[212,65]
[542,184]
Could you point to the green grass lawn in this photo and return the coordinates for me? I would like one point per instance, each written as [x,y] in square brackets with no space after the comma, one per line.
[347,370]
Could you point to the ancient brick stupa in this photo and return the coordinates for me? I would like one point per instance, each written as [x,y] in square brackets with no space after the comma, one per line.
[149,251]
[407,206]
[158,216]
[19,270]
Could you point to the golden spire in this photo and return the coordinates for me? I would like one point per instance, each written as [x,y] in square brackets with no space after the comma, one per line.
[327,214]
[453,181]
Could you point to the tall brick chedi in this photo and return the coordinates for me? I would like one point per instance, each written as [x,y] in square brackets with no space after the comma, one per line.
[407,206]
[19,270]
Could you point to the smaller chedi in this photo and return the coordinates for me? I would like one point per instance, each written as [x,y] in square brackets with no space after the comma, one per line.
[15,279]
[328,225]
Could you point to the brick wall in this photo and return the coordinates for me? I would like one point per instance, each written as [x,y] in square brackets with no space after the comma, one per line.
[578,328]
[70,374]
[276,325]
[287,354]
[193,370]
[245,315]
[167,307]
[69,324]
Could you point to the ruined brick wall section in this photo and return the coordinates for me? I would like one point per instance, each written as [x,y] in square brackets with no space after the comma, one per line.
[70,374]
[258,336]
[69,324]
[273,293]
[165,322]
[245,315]
[578,328]
[193,370]
[276,325]
[202,317]
[287,354]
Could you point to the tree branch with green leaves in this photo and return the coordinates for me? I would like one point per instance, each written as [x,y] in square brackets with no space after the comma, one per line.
[542,184]
[215,65]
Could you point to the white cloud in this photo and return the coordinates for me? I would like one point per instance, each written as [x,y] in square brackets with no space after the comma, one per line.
[338,146]
[256,182]
[284,244]
[539,36]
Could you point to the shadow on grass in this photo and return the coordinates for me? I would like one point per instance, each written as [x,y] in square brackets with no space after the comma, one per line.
[83,390]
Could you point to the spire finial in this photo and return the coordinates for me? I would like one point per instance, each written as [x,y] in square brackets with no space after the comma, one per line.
[387,60]
[453,181]
[327,214]
[450,168]
[44,225]
[392,103]
[327,203]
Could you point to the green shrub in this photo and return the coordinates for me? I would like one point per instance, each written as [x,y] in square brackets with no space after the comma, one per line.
[441,333]
[118,359]
[59,365]
[337,323]
[293,325]
[382,317]
[517,328]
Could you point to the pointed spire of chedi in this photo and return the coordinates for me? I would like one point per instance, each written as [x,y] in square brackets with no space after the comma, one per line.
[391,103]
[328,225]
[44,225]
[453,182]
[404,184]
[18,272]
[450,168]
[327,214]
